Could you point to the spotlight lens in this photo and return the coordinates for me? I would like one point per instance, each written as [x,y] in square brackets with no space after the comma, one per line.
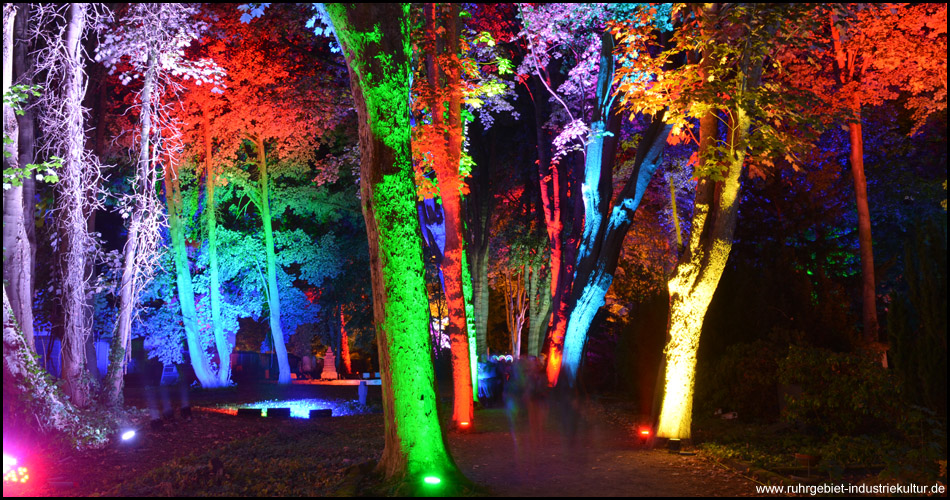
[127,435]
[432,480]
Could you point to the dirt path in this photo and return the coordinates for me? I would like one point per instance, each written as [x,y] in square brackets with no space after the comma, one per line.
[603,460]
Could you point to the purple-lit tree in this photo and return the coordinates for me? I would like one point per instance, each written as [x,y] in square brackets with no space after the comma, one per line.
[61,30]
[590,124]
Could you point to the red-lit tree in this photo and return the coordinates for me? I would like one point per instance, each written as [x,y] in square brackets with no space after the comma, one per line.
[276,103]
[875,54]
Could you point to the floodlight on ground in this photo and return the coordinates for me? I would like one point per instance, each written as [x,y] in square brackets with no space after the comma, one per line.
[432,480]
[129,434]
[12,473]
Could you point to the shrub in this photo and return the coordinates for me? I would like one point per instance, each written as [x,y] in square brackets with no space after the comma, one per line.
[841,393]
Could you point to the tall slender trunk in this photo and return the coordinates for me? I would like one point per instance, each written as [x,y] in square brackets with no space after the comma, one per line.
[470,327]
[868,292]
[127,289]
[446,79]
[345,363]
[211,219]
[273,292]
[22,74]
[478,207]
[72,207]
[847,73]
[415,447]
[17,255]
[186,291]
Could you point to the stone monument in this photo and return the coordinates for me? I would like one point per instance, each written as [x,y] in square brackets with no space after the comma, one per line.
[329,366]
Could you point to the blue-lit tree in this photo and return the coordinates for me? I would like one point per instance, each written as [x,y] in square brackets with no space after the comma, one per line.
[592,124]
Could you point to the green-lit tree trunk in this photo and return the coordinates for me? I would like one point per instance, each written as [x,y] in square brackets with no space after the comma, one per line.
[470,328]
[186,290]
[539,307]
[375,40]
[273,292]
[211,219]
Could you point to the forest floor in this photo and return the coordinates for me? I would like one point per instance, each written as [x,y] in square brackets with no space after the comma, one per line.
[589,452]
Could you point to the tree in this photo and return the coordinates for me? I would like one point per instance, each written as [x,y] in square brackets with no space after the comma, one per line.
[878,53]
[593,126]
[724,88]
[63,127]
[270,126]
[151,38]
[375,41]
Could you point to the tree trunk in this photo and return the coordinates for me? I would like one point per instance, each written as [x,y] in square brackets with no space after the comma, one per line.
[127,289]
[444,80]
[211,218]
[847,72]
[869,294]
[697,275]
[375,40]
[22,74]
[470,328]
[73,212]
[539,307]
[17,253]
[273,293]
[186,290]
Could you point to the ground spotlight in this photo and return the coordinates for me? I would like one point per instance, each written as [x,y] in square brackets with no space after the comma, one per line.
[432,480]
[12,473]
[129,434]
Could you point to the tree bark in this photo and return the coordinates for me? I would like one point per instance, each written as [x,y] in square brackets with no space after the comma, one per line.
[211,217]
[17,252]
[273,292]
[186,289]
[127,289]
[73,212]
[379,79]
[847,72]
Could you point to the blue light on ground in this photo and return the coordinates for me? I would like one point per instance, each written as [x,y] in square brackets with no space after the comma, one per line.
[300,408]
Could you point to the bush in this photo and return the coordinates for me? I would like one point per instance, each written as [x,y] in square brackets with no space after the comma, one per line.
[745,377]
[841,393]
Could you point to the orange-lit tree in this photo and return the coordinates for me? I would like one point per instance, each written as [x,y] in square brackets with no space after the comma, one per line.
[875,53]
[438,143]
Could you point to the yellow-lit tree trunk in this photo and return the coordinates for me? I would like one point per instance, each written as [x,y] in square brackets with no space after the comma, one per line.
[697,276]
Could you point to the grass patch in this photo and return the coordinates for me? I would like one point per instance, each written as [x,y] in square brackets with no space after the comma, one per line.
[297,458]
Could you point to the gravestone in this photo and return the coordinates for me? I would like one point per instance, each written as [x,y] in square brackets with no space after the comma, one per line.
[329,366]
